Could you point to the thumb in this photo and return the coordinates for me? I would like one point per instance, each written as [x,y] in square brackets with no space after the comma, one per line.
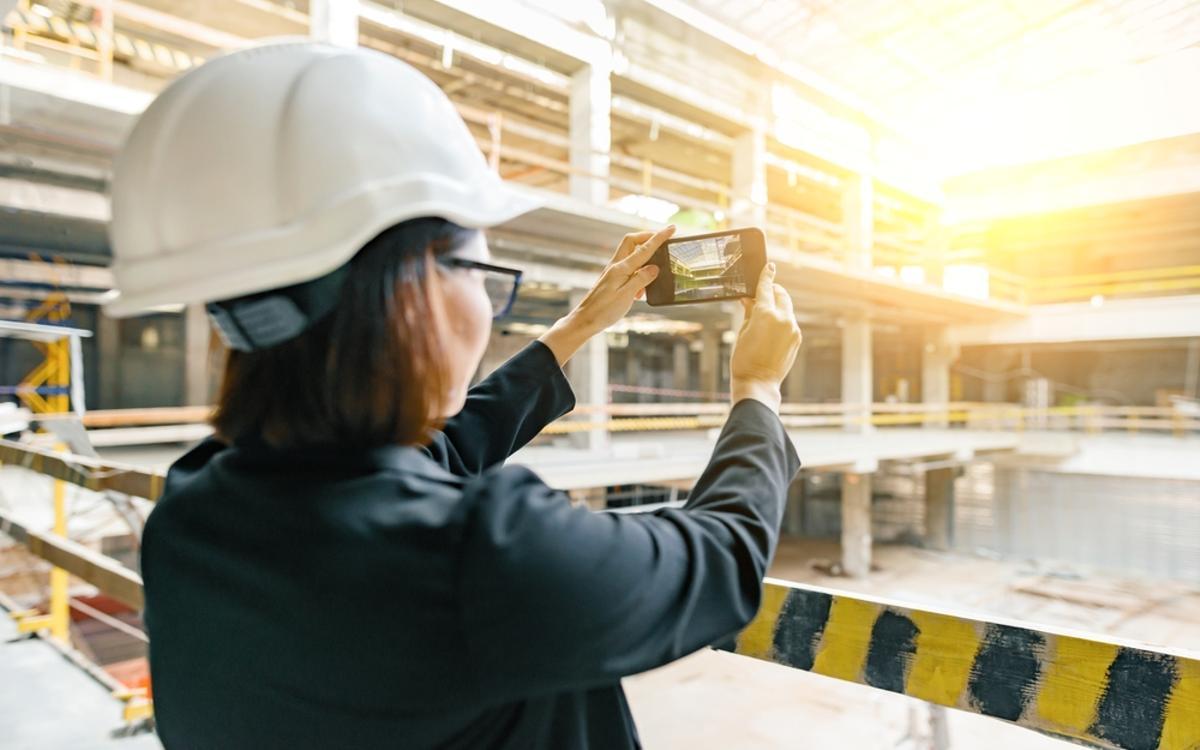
[764,295]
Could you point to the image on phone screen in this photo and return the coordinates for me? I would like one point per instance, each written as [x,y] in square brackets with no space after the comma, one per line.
[708,268]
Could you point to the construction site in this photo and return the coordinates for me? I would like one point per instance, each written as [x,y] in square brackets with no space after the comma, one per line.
[986,216]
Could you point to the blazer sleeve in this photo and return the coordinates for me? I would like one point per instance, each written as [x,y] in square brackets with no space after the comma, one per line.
[504,411]
[556,597]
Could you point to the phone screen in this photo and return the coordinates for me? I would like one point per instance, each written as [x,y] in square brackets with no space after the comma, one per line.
[708,268]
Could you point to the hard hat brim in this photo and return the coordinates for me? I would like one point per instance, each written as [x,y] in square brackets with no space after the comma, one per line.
[187,276]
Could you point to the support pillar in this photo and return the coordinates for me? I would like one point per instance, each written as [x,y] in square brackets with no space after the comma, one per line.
[587,371]
[681,376]
[937,355]
[633,370]
[196,338]
[749,178]
[710,361]
[793,384]
[995,387]
[1191,375]
[793,511]
[334,21]
[856,525]
[857,375]
[939,508]
[858,218]
[590,133]
[108,341]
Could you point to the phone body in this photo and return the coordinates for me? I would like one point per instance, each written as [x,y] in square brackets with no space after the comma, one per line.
[708,267]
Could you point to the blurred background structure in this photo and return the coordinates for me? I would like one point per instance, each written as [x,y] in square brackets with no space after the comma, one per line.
[987,214]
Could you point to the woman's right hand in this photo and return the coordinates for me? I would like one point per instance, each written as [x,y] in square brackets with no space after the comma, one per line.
[766,344]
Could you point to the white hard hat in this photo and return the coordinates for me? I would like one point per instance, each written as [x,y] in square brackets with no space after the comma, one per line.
[275,164]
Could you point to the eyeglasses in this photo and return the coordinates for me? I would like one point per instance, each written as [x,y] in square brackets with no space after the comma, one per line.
[499,282]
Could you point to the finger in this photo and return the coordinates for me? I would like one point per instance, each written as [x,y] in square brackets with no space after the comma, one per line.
[783,301]
[641,294]
[628,243]
[643,252]
[764,296]
[747,307]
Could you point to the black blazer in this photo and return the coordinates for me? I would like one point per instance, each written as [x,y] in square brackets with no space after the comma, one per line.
[407,597]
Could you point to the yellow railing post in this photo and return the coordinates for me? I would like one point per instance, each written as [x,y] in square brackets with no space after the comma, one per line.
[60,617]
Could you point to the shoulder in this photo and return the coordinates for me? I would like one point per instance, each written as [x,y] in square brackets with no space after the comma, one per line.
[509,495]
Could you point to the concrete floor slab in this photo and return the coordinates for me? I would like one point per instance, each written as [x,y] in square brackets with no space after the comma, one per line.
[48,702]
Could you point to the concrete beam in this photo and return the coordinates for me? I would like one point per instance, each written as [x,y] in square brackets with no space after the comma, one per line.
[515,26]
[1132,173]
[51,199]
[1114,320]
[64,84]
[58,275]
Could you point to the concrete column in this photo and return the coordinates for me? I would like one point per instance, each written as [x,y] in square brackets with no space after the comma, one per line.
[793,511]
[196,339]
[1191,375]
[334,21]
[749,178]
[737,315]
[937,355]
[588,373]
[857,375]
[856,525]
[681,359]
[590,133]
[939,508]
[793,385]
[710,361]
[633,370]
[996,363]
[108,342]
[858,217]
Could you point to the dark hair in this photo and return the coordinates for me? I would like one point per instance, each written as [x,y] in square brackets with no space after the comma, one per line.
[371,372]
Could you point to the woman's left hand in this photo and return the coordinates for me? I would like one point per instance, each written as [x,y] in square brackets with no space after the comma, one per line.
[622,281]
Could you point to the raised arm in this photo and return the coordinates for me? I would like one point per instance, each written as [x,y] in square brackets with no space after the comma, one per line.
[505,410]
[556,597]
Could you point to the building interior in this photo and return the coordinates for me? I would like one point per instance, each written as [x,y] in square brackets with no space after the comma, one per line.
[986,214]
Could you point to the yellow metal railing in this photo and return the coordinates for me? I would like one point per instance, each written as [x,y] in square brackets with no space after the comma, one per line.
[696,415]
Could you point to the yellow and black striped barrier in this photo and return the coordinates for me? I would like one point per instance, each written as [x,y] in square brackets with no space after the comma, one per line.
[1089,690]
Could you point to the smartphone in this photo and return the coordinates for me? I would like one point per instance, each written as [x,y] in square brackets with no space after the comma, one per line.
[707,267]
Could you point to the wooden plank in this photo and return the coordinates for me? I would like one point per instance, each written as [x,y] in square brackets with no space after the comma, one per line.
[103,572]
[88,473]
[1095,691]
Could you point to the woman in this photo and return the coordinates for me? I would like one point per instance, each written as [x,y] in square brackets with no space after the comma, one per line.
[348,562]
